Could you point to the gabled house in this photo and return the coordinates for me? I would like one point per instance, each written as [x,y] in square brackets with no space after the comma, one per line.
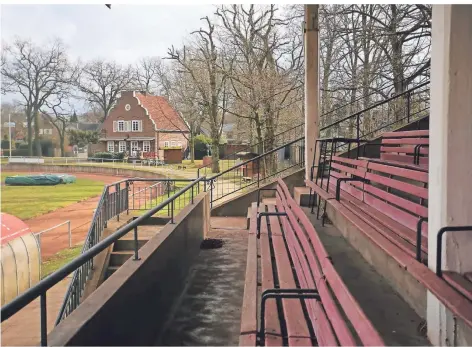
[142,126]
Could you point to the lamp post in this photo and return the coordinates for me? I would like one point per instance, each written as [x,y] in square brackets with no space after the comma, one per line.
[9,133]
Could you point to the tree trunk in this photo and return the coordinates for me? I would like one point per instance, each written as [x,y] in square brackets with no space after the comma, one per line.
[36,134]
[30,137]
[215,156]
[192,147]
[61,141]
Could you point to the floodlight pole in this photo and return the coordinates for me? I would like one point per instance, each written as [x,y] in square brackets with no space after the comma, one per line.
[9,133]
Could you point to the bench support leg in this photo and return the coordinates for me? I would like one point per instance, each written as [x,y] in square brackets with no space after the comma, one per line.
[292,293]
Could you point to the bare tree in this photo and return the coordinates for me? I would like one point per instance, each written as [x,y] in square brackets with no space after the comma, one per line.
[36,73]
[185,98]
[202,62]
[148,74]
[102,81]
[59,112]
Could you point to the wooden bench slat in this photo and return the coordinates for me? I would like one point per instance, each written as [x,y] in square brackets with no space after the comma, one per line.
[406,242]
[249,307]
[324,332]
[408,205]
[364,328]
[393,163]
[409,133]
[404,149]
[455,302]
[357,162]
[406,141]
[399,185]
[403,158]
[459,282]
[352,171]
[401,172]
[295,319]
[403,217]
[272,323]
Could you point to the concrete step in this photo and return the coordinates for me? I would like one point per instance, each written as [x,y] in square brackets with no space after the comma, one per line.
[302,195]
[111,270]
[127,244]
[118,258]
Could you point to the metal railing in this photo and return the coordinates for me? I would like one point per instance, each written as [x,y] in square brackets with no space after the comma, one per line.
[69,232]
[383,116]
[116,199]
[40,289]
[257,148]
[389,114]
[259,170]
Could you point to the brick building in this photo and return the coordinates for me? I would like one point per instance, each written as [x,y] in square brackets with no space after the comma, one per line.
[143,126]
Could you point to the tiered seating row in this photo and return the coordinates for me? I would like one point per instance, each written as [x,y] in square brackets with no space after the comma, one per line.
[389,205]
[293,260]
[408,147]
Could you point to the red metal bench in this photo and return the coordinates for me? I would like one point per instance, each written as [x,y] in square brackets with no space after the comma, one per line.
[289,237]
[409,147]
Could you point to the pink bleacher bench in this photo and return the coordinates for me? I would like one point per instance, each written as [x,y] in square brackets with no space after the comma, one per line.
[295,275]
[409,147]
[388,204]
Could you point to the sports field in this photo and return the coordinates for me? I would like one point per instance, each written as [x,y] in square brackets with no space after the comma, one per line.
[28,202]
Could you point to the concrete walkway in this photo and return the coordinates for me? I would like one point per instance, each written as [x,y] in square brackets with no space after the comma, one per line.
[209,311]
[23,329]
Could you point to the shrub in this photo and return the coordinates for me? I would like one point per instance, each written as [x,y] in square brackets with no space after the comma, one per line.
[109,155]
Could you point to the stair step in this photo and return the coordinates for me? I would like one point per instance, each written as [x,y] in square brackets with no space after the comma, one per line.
[127,244]
[118,258]
[111,270]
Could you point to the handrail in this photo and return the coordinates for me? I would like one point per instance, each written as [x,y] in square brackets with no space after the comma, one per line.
[252,145]
[47,283]
[255,158]
[102,214]
[376,105]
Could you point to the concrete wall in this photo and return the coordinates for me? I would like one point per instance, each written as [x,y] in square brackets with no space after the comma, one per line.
[132,305]
[237,207]
[80,168]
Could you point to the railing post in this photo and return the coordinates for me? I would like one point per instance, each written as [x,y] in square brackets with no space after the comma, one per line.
[192,195]
[70,233]
[258,171]
[408,106]
[172,212]
[136,246]
[127,197]
[117,194]
[358,126]
[44,321]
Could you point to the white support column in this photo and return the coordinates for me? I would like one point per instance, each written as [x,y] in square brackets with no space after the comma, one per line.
[311,84]
[450,160]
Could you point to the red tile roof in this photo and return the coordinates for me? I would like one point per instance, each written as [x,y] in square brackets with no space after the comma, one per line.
[162,113]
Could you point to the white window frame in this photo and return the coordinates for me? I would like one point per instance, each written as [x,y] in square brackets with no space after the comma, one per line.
[146,146]
[179,144]
[112,147]
[134,146]
[121,126]
[166,143]
[41,131]
[173,144]
[136,126]
[122,147]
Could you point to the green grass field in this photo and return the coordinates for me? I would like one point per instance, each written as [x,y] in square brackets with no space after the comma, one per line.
[28,202]
[59,260]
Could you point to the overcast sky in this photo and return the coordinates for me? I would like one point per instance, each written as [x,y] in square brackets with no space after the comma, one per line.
[124,33]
